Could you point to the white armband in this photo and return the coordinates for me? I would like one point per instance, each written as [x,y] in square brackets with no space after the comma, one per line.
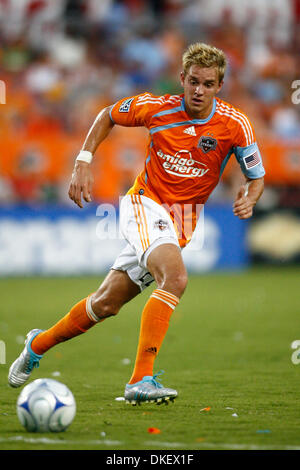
[84,156]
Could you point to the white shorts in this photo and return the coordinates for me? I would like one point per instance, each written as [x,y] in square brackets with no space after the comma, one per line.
[145,225]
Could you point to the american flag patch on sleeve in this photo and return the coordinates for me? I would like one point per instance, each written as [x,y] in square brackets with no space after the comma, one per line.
[252,160]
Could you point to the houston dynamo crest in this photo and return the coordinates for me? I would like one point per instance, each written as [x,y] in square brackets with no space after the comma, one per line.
[207,143]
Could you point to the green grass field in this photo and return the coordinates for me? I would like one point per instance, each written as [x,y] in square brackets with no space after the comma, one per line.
[228,348]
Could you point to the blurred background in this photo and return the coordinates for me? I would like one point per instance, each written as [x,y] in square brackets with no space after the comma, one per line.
[61,61]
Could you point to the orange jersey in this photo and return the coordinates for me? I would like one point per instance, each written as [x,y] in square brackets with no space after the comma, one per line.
[186,157]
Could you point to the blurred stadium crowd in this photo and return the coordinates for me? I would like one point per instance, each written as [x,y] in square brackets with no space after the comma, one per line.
[63,60]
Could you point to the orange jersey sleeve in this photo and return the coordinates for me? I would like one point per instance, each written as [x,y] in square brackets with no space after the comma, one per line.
[242,133]
[134,111]
[244,145]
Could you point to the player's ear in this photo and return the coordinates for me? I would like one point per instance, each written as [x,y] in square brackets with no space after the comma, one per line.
[182,78]
[221,83]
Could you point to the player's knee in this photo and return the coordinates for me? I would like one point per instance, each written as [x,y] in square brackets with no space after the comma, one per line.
[104,308]
[175,283]
[181,283]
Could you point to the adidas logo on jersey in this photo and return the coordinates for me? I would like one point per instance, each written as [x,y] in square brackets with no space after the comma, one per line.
[190,131]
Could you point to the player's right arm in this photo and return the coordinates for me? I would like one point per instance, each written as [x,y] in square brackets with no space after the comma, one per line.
[130,112]
[82,177]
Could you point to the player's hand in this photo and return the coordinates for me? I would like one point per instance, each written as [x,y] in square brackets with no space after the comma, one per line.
[81,183]
[243,205]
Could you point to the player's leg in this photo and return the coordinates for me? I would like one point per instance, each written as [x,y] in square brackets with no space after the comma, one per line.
[113,293]
[116,290]
[166,266]
[149,229]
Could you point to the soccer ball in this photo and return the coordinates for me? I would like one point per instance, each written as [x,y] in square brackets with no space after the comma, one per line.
[46,405]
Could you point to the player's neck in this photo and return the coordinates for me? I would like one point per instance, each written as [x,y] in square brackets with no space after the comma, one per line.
[202,114]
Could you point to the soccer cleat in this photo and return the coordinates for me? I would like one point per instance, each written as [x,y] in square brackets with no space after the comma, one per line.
[21,369]
[149,390]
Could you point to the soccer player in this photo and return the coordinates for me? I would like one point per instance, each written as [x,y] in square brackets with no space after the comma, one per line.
[191,138]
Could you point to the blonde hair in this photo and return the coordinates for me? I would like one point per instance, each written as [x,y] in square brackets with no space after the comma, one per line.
[204,55]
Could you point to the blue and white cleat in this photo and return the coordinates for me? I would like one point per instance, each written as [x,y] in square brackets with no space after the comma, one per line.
[21,369]
[149,390]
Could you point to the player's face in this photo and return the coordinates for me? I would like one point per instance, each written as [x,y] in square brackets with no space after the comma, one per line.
[200,85]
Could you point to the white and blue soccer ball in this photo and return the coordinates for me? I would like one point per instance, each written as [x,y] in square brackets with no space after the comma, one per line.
[46,405]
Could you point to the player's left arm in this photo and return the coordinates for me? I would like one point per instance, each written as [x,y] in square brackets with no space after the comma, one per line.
[247,197]
[249,158]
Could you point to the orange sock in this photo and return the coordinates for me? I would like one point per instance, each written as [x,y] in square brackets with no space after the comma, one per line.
[77,321]
[154,326]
